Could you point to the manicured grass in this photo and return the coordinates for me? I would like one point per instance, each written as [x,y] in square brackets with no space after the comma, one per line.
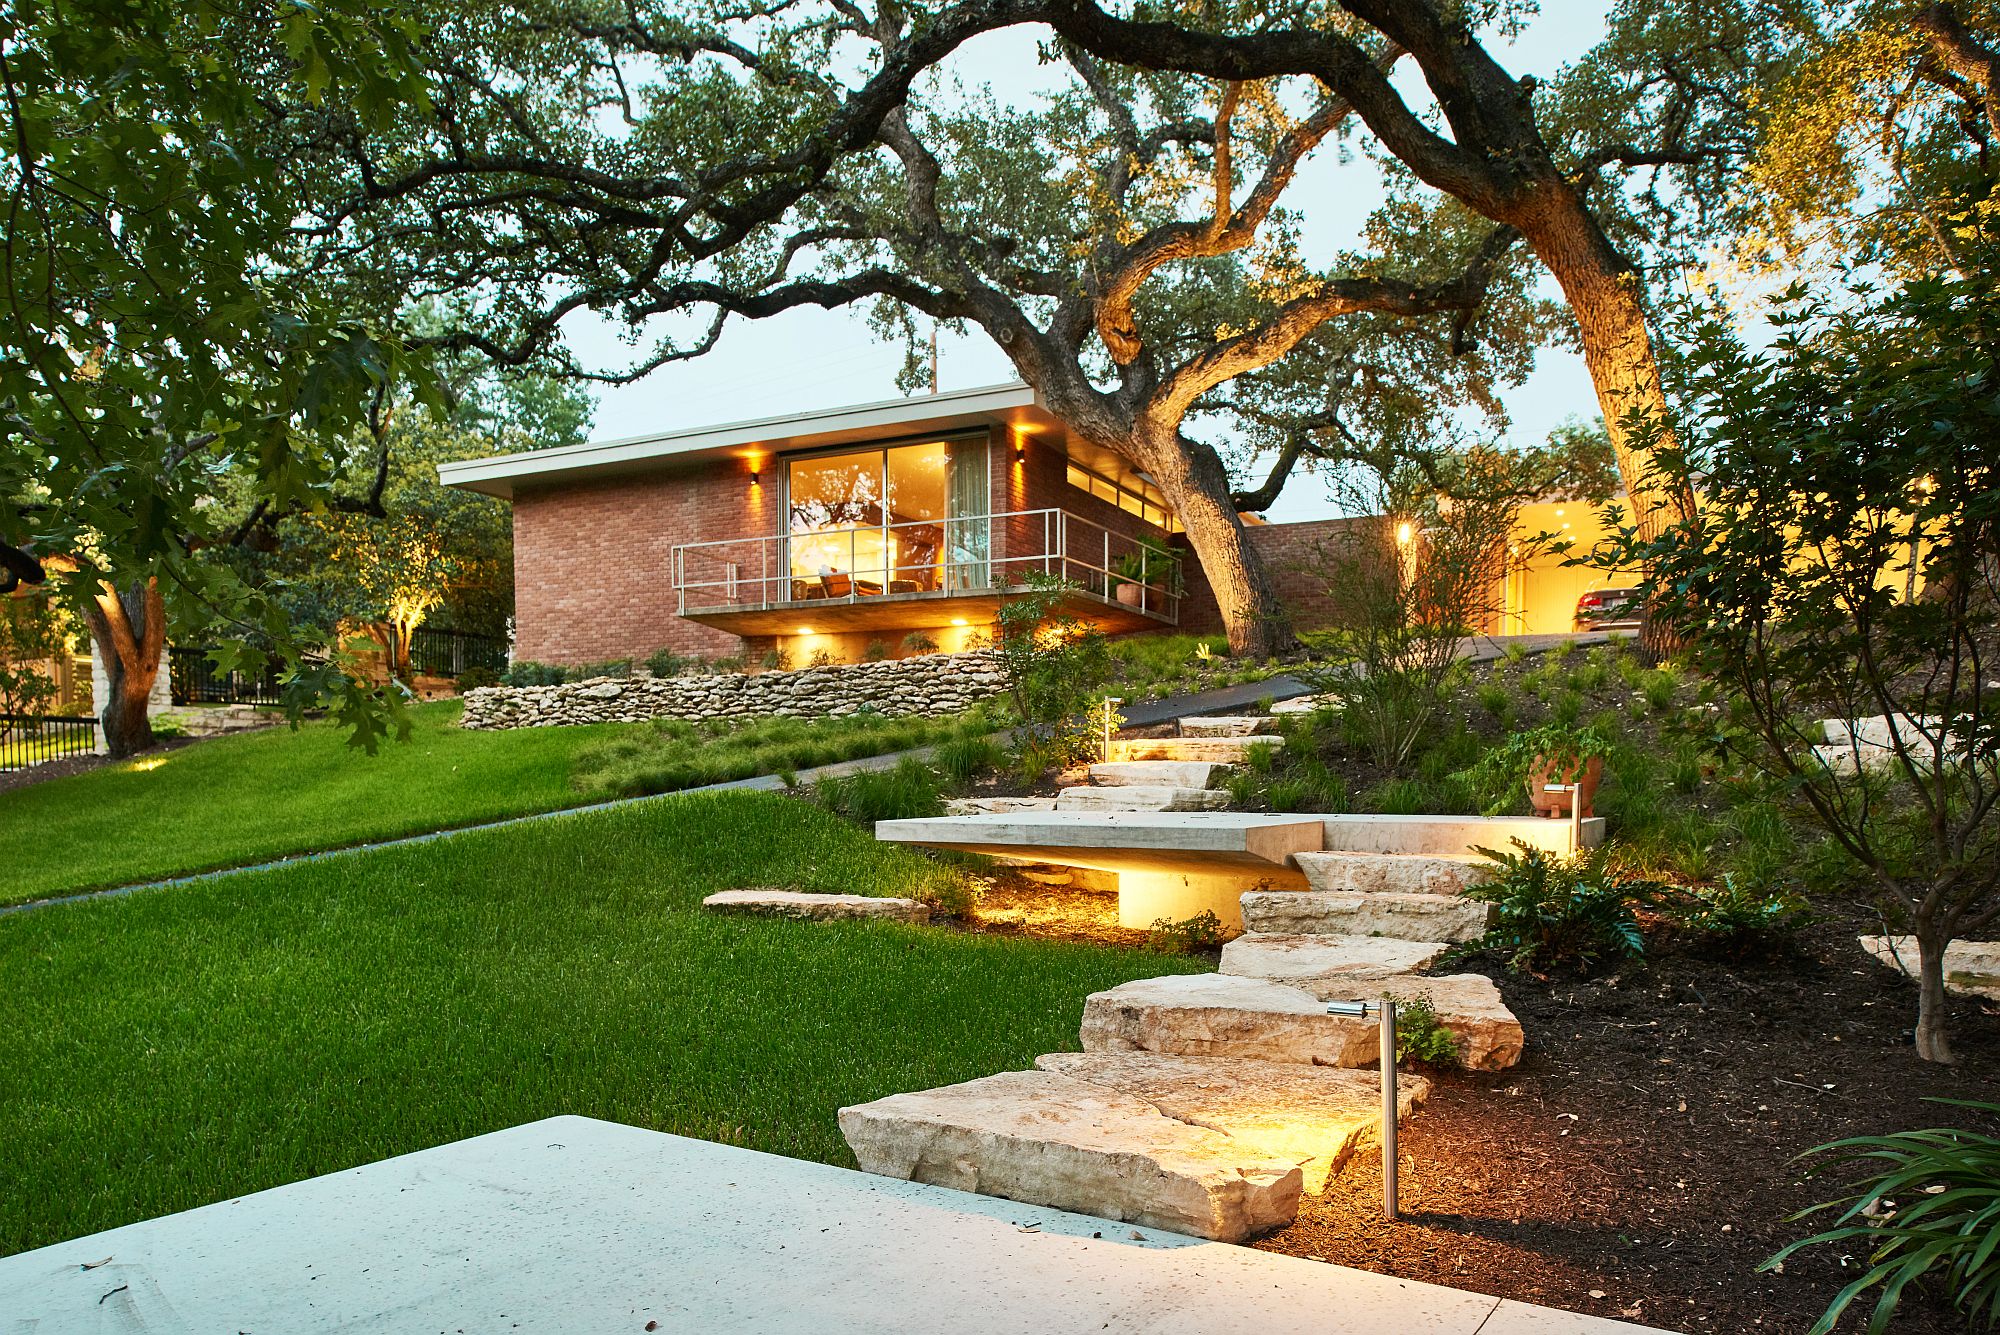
[263,795]
[266,794]
[185,1045]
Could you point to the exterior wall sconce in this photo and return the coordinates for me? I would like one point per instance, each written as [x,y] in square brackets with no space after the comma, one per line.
[754,477]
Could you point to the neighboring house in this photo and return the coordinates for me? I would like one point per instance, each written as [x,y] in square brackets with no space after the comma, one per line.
[838,532]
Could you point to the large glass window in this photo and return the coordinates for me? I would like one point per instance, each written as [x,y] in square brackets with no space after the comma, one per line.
[906,519]
[1139,498]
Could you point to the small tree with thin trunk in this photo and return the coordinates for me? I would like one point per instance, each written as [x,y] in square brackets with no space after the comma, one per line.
[1848,568]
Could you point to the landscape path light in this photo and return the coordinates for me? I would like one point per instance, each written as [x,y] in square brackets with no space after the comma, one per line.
[1385,1028]
[1111,703]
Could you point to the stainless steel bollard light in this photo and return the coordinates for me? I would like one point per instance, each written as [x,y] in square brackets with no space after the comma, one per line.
[1385,1028]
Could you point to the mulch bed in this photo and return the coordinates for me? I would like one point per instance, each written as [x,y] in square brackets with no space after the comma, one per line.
[57,769]
[1638,1162]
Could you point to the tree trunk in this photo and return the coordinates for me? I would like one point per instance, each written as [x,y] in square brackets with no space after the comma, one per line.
[1933,1007]
[1197,488]
[1603,293]
[129,628]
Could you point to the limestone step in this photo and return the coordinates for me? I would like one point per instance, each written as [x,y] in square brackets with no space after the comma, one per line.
[1225,725]
[1354,913]
[1146,773]
[1214,750]
[1141,797]
[797,904]
[996,806]
[1306,704]
[1314,1116]
[1221,1015]
[1452,836]
[1050,1140]
[1300,959]
[1400,873]
[1971,968]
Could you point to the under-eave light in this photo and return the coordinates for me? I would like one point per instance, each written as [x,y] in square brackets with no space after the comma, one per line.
[805,630]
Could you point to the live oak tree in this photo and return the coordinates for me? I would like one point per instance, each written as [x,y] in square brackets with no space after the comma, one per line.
[148,346]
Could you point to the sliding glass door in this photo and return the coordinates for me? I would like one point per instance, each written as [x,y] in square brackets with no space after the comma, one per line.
[897,520]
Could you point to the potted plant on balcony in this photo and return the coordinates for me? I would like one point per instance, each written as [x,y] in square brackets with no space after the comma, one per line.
[1150,566]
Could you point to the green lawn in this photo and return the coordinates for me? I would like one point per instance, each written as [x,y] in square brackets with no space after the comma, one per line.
[185,1045]
[263,795]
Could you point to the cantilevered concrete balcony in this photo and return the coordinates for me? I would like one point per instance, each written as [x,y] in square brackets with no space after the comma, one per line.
[926,574]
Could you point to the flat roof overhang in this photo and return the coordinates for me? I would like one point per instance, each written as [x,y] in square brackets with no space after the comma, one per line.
[1014,405]
[909,611]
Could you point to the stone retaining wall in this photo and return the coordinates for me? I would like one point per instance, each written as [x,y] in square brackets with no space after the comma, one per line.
[930,685]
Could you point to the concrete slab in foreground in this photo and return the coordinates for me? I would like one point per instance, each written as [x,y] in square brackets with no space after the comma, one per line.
[1143,841]
[575,1225]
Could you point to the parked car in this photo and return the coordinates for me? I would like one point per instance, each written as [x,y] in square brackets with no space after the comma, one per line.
[1610,609]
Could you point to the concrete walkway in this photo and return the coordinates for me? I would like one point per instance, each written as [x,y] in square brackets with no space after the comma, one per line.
[576,1225]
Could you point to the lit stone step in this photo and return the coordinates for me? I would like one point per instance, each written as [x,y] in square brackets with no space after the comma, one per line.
[1221,1015]
[996,806]
[1400,873]
[1050,1140]
[1147,773]
[797,904]
[1451,835]
[1225,725]
[1300,960]
[1353,913]
[1214,750]
[1141,797]
[1314,1116]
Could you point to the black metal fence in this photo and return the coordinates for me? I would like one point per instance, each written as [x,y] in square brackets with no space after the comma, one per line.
[28,739]
[436,652]
[197,682]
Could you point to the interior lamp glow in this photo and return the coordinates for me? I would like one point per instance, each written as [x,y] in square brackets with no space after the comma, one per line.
[958,621]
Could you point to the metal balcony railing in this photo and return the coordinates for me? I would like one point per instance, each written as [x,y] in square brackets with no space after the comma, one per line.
[940,558]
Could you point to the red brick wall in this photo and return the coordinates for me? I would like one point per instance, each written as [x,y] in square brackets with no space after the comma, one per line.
[1038,479]
[593,562]
[1294,568]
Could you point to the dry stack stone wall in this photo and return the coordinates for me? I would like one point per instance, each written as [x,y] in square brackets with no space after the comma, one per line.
[931,685]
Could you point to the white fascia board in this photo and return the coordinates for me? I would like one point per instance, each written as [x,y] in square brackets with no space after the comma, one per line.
[989,405]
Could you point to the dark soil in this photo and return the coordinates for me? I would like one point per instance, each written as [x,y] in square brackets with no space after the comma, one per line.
[1638,1163]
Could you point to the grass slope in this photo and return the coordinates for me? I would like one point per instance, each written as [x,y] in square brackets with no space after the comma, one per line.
[187,1045]
[266,794]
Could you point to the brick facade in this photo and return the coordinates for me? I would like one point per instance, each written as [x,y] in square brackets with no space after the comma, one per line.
[593,562]
[1297,571]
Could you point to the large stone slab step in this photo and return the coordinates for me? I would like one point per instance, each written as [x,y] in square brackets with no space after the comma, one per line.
[1355,913]
[1214,750]
[1149,773]
[1220,1015]
[1141,797]
[1226,725]
[1177,842]
[1314,1116]
[1971,968]
[1396,873]
[1306,704]
[996,806]
[1298,959]
[1050,1140]
[1453,836]
[798,904]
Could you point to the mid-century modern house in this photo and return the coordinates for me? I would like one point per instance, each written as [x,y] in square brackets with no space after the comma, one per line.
[887,524]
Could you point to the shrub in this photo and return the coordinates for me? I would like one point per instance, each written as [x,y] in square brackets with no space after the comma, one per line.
[1053,664]
[823,658]
[916,642]
[473,678]
[524,673]
[963,759]
[1926,1210]
[1550,910]
[876,651]
[665,662]
[1739,914]
[1421,1036]
[1204,931]
[1494,698]
[615,667]
[909,790]
[167,726]
[777,659]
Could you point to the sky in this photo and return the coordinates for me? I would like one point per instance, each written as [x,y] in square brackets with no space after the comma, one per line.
[809,360]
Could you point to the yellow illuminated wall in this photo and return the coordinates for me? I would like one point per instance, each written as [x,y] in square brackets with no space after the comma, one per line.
[1540,590]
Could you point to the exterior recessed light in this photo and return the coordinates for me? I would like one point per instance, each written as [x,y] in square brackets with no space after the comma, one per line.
[805,630]
[958,621]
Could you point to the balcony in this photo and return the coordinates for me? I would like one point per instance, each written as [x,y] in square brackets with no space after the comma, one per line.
[922,575]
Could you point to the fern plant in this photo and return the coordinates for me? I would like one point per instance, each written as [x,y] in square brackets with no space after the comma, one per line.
[1550,910]
[1928,1210]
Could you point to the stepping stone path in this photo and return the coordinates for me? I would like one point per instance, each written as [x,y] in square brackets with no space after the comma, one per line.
[1206,1103]
[798,904]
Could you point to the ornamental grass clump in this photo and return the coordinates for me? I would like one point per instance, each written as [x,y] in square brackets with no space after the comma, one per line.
[1926,1211]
